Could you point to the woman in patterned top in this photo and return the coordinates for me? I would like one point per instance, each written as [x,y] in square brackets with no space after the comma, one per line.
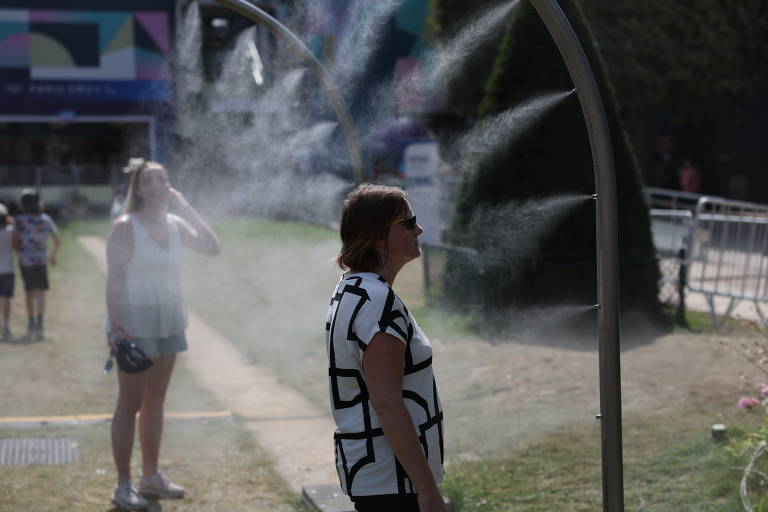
[33,228]
[389,440]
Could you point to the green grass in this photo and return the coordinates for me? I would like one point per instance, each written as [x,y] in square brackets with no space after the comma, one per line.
[670,461]
[273,230]
[701,322]
[440,323]
[215,459]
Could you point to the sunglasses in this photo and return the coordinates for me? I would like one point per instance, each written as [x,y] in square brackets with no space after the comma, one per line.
[410,222]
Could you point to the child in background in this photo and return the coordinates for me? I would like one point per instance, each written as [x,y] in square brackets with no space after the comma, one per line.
[33,227]
[6,269]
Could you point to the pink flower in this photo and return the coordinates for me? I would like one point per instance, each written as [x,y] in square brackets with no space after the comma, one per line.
[747,402]
[764,391]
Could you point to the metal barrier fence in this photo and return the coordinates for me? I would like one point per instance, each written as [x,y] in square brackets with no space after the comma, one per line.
[662,198]
[671,231]
[717,247]
[730,253]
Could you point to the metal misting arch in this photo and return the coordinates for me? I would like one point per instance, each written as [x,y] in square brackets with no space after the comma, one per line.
[606,213]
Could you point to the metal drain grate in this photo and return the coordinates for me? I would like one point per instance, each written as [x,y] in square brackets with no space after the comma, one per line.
[24,450]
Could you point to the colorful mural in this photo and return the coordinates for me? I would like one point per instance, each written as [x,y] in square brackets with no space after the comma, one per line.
[405,42]
[110,55]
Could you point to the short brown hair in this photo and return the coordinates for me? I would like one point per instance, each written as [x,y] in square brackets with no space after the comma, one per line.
[366,216]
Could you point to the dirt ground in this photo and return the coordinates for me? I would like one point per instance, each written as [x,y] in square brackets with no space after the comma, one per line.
[496,393]
[497,396]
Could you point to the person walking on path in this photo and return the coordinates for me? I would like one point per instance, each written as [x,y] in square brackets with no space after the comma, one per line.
[384,399]
[6,269]
[32,230]
[145,306]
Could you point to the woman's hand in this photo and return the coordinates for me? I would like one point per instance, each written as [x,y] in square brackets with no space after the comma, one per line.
[177,200]
[431,501]
[116,335]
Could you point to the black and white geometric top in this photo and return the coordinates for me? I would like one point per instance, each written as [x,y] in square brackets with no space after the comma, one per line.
[363,305]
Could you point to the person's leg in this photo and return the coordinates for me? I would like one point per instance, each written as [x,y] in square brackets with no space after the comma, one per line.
[29,299]
[131,391]
[151,416]
[5,307]
[40,311]
[6,293]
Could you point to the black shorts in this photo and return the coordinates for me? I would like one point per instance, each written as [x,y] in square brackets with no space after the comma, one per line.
[35,278]
[386,503]
[6,285]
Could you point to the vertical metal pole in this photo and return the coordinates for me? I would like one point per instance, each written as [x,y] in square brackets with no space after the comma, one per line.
[607,248]
[682,283]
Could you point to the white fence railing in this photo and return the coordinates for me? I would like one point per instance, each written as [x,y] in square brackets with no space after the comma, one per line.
[666,199]
[721,244]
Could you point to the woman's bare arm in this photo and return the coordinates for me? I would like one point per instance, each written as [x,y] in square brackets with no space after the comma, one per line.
[195,232]
[119,250]
[383,364]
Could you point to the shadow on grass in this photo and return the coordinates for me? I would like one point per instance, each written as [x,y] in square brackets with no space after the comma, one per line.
[154,506]
[569,327]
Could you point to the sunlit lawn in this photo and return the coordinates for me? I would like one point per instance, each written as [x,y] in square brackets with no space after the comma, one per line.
[671,462]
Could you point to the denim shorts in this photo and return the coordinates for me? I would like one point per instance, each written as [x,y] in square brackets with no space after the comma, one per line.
[6,285]
[155,346]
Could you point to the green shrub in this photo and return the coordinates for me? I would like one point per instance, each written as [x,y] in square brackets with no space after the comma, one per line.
[549,159]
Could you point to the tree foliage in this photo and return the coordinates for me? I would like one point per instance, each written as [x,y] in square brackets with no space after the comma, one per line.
[465,90]
[693,56]
[497,212]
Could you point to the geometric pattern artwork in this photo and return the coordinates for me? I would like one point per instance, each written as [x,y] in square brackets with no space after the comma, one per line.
[406,36]
[328,20]
[85,45]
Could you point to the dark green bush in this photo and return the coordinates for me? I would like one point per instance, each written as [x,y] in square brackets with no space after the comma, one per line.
[525,207]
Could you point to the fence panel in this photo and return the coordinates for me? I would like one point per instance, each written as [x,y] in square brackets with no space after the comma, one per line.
[666,199]
[730,250]
[711,246]
[672,231]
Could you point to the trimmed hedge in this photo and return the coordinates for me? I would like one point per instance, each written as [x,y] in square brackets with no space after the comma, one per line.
[526,208]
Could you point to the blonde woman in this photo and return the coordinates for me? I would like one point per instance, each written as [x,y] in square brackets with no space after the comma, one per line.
[384,399]
[145,306]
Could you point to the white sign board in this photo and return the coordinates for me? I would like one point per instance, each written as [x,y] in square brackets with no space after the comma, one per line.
[421,159]
[422,164]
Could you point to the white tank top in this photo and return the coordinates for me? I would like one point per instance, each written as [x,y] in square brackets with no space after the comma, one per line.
[155,306]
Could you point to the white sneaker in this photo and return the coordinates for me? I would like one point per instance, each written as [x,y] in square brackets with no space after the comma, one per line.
[126,496]
[158,485]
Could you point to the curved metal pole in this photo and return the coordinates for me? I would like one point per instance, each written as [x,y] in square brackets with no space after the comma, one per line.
[261,17]
[607,248]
